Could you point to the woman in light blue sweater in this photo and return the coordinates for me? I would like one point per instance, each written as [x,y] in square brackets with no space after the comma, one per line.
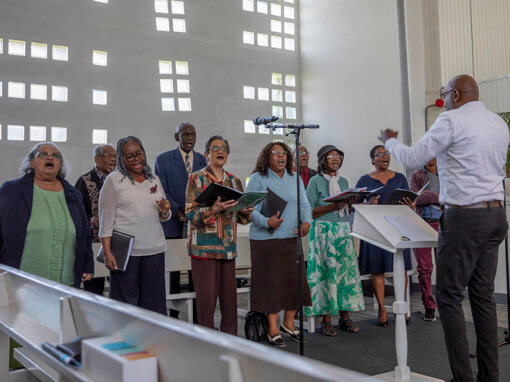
[273,243]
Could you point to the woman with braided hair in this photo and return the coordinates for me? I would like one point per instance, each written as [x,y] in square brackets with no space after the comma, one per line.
[132,201]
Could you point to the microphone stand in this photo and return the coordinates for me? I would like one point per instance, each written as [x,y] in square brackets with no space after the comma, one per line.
[296,131]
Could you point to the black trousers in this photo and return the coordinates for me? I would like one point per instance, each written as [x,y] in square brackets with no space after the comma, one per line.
[142,284]
[467,256]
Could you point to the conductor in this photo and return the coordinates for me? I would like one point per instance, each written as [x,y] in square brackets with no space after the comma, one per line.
[471,144]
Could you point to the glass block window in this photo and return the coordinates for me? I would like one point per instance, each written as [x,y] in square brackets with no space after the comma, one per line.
[181,67]
[99,58]
[263,94]
[38,92]
[177,7]
[99,97]
[249,92]
[276,10]
[1,45]
[161,6]
[101,1]
[59,93]
[290,80]
[264,130]
[288,28]
[165,67]
[276,42]
[277,111]
[249,5]
[179,25]
[290,96]
[15,90]
[184,104]
[167,104]
[1,89]
[99,136]
[166,85]
[38,133]
[162,24]
[288,12]
[59,134]
[276,26]
[262,6]
[249,127]
[60,53]
[290,112]
[276,79]
[289,44]
[15,133]
[17,48]
[39,50]
[248,37]
[183,86]
[262,39]
[277,95]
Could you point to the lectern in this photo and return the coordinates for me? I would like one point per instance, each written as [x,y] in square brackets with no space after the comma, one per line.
[395,228]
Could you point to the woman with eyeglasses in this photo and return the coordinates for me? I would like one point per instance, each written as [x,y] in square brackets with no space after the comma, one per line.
[43,226]
[372,259]
[332,268]
[212,239]
[132,201]
[273,243]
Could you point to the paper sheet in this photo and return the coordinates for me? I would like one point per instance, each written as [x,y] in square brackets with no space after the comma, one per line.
[408,229]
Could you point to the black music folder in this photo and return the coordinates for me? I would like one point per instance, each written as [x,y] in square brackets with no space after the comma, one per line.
[397,195]
[271,205]
[121,245]
[208,196]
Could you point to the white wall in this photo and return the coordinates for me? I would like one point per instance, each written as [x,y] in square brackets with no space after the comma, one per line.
[350,76]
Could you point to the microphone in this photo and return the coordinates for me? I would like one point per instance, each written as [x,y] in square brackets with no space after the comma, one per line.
[264,121]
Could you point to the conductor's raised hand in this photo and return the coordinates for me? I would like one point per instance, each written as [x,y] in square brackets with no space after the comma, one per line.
[274,221]
[387,134]
[220,206]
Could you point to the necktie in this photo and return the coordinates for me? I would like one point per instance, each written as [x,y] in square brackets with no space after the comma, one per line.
[187,163]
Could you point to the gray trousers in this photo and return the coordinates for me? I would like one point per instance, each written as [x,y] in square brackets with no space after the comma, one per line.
[467,256]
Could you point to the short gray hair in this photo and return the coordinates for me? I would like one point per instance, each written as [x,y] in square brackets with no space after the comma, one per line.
[99,150]
[26,168]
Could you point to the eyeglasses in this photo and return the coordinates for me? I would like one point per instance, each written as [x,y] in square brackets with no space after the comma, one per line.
[341,157]
[444,94]
[219,148]
[131,157]
[278,152]
[108,156]
[380,155]
[44,154]
[303,153]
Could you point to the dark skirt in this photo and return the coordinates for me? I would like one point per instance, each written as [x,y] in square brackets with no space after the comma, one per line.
[274,276]
[373,259]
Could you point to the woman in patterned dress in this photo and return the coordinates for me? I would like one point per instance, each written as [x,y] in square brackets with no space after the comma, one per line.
[332,269]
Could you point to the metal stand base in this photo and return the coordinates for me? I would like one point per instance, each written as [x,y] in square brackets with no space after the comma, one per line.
[413,377]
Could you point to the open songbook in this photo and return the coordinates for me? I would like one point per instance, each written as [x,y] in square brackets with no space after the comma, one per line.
[400,193]
[360,193]
[245,199]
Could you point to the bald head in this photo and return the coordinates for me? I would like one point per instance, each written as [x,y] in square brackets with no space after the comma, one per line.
[459,91]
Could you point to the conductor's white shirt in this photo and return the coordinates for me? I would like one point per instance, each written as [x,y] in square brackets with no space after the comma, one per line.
[470,144]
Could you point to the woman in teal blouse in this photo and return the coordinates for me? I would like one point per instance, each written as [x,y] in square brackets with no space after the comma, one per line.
[332,269]
[43,226]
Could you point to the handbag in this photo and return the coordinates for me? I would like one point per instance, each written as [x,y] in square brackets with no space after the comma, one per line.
[256,326]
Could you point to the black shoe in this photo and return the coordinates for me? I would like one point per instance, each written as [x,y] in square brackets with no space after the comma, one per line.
[294,335]
[383,324]
[430,314]
[276,340]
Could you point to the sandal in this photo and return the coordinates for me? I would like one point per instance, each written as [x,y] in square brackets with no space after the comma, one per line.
[348,325]
[327,329]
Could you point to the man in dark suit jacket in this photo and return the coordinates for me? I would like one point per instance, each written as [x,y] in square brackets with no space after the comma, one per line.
[173,167]
[305,171]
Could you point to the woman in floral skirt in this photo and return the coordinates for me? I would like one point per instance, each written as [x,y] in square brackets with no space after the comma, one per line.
[332,269]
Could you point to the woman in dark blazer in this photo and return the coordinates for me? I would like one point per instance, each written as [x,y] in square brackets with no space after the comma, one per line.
[43,226]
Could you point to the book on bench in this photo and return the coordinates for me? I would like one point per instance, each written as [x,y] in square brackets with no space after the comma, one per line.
[360,193]
[121,245]
[245,199]
[397,195]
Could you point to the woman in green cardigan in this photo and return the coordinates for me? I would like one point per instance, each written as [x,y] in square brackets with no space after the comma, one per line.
[332,269]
